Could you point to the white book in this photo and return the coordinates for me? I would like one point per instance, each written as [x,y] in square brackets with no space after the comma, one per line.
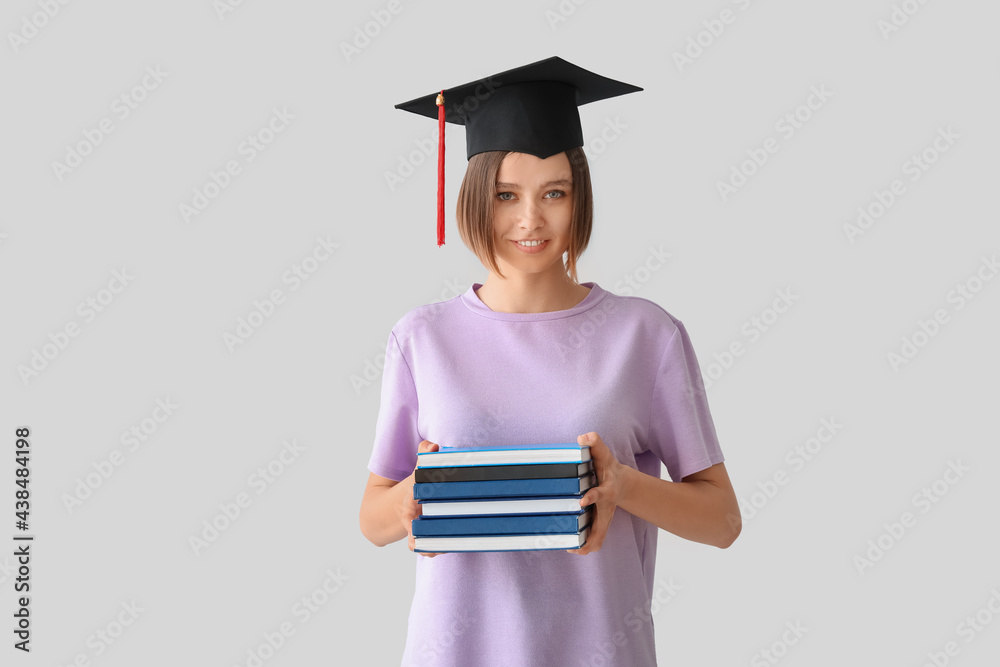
[523,505]
[502,542]
[567,452]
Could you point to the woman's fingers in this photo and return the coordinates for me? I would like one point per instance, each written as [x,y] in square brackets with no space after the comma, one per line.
[409,508]
[603,511]
[412,508]
[604,518]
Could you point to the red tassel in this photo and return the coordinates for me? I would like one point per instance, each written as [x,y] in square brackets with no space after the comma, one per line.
[440,225]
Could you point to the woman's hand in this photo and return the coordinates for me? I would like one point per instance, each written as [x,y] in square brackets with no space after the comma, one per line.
[604,497]
[408,508]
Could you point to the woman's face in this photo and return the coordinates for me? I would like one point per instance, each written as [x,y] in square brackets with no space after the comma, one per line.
[534,202]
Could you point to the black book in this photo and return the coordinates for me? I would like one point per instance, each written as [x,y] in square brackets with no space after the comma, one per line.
[483,473]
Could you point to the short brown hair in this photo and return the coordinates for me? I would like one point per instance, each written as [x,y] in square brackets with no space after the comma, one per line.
[477,198]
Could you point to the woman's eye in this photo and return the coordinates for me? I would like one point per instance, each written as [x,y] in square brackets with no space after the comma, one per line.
[551,194]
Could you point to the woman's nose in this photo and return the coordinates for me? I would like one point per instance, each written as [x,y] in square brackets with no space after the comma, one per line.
[531,214]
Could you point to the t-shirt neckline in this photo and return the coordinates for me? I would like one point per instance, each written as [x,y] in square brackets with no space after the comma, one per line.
[475,304]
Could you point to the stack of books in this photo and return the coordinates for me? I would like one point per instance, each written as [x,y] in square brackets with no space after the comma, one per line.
[504,498]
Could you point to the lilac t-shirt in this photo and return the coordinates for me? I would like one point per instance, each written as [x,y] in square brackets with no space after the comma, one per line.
[457,373]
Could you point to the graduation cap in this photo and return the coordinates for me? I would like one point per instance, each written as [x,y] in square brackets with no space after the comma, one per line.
[528,109]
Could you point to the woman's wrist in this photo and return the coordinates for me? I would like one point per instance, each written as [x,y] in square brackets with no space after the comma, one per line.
[626,476]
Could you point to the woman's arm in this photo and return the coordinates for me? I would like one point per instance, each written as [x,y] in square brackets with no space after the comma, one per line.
[388,507]
[701,507]
[380,509]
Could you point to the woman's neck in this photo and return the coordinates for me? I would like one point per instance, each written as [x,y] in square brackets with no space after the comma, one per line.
[531,293]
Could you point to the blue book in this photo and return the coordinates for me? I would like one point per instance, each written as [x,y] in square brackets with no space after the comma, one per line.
[496,488]
[563,452]
[481,526]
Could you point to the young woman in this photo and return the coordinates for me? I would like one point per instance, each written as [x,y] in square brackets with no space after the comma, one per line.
[533,356]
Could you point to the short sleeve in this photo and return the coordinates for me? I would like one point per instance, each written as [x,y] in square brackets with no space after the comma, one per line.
[681,430]
[394,454]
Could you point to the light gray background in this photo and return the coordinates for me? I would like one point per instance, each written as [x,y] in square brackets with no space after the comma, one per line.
[655,186]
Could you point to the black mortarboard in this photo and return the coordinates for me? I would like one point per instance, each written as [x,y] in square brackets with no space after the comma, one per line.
[528,109]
